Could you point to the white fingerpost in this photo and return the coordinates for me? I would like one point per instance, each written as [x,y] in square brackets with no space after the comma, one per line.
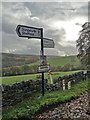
[63,84]
[51,79]
[69,85]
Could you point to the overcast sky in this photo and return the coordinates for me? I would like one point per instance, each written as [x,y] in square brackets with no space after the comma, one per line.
[60,21]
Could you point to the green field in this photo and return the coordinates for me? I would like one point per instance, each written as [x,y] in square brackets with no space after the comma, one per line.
[20,59]
[19,78]
[30,105]
[60,61]
[53,61]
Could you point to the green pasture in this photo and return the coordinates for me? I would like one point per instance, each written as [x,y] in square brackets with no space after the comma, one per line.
[19,78]
[60,61]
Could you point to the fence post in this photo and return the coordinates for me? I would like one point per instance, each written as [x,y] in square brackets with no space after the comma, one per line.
[69,85]
[63,82]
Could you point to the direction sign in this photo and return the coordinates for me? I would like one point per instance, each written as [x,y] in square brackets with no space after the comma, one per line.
[44,68]
[48,43]
[30,32]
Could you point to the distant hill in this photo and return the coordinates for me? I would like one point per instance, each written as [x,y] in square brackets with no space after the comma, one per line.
[9,59]
[60,60]
[18,60]
[63,60]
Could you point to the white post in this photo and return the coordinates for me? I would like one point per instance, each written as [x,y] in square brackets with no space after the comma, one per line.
[69,85]
[51,79]
[63,84]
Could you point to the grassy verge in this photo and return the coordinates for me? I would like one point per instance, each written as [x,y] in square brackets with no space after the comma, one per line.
[31,105]
[19,78]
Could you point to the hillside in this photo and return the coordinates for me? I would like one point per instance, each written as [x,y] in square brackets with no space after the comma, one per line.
[15,64]
[17,59]
[60,61]
[63,60]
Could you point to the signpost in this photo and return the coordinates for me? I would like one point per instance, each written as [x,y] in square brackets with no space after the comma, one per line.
[48,43]
[32,32]
[29,32]
[44,68]
[42,53]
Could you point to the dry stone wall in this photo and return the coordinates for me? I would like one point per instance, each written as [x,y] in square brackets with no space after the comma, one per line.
[12,94]
[15,93]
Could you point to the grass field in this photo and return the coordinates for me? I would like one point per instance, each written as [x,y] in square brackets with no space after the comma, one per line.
[19,60]
[60,61]
[19,78]
[31,105]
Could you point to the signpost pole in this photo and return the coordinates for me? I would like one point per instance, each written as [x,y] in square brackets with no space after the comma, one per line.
[32,32]
[42,53]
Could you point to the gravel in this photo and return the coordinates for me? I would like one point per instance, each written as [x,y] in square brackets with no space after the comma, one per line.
[75,110]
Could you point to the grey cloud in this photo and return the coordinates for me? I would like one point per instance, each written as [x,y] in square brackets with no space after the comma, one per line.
[10,21]
[51,51]
[7,26]
[56,34]
[59,35]
[81,9]
[20,45]
[60,10]
[47,10]
[32,51]
[68,50]
[44,0]
[79,24]
[89,11]
[38,15]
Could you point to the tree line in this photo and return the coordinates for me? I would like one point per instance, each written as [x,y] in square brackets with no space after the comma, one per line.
[9,59]
[26,69]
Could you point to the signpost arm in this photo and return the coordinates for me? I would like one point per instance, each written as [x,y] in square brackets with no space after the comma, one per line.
[42,53]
